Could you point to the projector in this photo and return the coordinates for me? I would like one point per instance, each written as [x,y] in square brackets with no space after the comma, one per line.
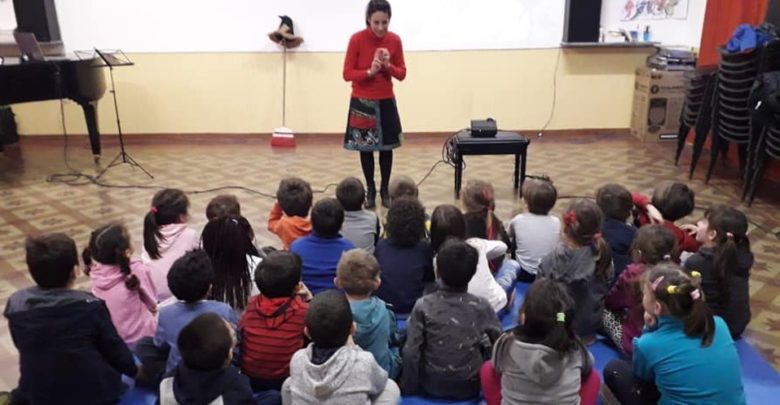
[484,128]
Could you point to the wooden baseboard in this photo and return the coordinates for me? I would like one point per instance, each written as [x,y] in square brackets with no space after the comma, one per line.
[250,138]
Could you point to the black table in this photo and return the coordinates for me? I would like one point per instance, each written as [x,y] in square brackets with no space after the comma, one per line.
[504,143]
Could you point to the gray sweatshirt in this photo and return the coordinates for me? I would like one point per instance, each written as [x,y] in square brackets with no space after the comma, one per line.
[362,229]
[350,376]
[537,374]
[577,269]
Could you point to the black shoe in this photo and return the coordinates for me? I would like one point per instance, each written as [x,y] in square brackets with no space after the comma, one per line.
[385,198]
[370,199]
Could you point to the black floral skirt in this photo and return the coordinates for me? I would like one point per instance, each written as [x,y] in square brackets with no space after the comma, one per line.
[373,125]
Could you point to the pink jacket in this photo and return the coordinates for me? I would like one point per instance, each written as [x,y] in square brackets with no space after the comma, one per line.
[177,240]
[133,312]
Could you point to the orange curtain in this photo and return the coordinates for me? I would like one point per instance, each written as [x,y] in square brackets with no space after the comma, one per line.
[721,18]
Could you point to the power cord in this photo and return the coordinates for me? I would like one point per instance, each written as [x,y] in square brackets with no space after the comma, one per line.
[555,94]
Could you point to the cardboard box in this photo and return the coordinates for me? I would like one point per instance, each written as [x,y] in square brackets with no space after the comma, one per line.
[659,96]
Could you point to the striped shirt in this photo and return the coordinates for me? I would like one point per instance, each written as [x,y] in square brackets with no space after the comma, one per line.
[272,331]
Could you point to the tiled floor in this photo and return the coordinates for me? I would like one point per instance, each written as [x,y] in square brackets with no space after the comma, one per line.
[577,164]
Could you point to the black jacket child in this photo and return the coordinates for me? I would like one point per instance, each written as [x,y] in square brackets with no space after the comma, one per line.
[734,309]
[69,351]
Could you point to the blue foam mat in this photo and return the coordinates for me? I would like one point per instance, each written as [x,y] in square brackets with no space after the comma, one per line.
[761,381]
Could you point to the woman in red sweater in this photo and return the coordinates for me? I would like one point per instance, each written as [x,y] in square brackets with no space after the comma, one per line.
[374,57]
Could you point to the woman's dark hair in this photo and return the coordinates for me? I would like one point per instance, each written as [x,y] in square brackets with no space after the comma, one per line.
[227,241]
[730,226]
[168,206]
[406,222]
[682,300]
[548,312]
[582,225]
[109,244]
[374,6]
[446,222]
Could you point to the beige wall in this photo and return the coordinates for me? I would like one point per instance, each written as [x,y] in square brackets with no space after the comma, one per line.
[241,92]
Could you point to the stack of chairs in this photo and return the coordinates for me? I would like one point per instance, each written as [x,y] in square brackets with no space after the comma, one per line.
[764,117]
[768,146]
[697,112]
[731,111]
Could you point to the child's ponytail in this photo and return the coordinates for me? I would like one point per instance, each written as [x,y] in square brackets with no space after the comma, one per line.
[546,317]
[168,207]
[131,281]
[682,299]
[86,257]
[603,259]
[730,226]
[151,233]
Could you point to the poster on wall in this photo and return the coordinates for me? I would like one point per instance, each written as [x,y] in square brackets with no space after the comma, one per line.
[635,10]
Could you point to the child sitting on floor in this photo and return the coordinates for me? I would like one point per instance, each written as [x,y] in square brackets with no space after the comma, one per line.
[685,354]
[205,374]
[289,216]
[69,351]
[406,260]
[583,262]
[724,263]
[541,361]
[450,332]
[361,227]
[167,236]
[358,275]
[535,234]
[332,370]
[321,251]
[272,325]
[616,204]
[125,285]
[623,319]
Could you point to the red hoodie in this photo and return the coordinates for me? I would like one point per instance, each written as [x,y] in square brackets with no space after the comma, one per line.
[685,242]
[271,335]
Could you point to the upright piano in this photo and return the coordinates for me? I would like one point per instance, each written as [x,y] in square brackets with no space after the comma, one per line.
[82,81]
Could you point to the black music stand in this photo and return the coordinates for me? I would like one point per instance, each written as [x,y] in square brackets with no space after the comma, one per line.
[116,58]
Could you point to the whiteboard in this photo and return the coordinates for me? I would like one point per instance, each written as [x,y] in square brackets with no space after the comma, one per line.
[325,25]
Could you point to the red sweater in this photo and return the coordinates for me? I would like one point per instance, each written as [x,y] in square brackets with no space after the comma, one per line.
[269,342]
[685,242]
[360,54]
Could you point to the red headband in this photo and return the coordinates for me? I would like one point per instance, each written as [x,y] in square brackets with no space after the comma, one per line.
[569,218]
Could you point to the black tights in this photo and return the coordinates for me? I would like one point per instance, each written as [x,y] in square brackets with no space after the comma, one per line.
[385,167]
[627,388]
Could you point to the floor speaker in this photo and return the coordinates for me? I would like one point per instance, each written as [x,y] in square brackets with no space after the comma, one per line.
[582,20]
[38,17]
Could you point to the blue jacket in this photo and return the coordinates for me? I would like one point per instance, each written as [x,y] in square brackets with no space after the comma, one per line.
[619,236]
[173,318]
[376,329]
[320,257]
[683,370]
[405,272]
